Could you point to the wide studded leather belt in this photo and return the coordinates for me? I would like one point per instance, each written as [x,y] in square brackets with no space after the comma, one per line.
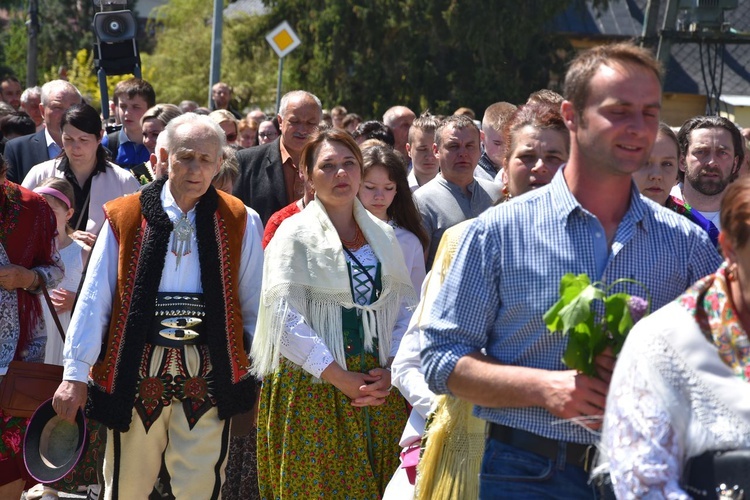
[178,320]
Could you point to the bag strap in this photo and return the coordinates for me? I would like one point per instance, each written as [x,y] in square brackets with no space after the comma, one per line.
[86,204]
[113,143]
[52,310]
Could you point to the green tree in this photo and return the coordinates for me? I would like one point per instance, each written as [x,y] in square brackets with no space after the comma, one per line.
[64,28]
[183,50]
[441,54]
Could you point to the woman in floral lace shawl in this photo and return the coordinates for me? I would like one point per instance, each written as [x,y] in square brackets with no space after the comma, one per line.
[27,259]
[680,385]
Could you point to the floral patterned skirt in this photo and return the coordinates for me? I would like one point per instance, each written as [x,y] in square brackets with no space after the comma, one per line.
[12,431]
[312,443]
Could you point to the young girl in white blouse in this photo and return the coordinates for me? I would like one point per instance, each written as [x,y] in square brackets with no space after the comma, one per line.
[60,196]
[385,194]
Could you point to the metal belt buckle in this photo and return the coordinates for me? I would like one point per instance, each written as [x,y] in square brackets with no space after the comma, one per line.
[588,458]
[181,334]
[181,322]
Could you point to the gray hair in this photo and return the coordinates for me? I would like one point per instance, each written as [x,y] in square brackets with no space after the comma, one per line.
[230,168]
[297,94]
[58,86]
[162,142]
[31,92]
[193,119]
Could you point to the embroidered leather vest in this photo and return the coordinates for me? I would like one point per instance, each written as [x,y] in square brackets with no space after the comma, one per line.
[142,229]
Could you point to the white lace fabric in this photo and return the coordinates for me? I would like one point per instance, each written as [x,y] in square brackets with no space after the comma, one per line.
[671,398]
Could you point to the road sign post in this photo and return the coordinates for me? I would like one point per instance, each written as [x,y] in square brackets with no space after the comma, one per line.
[282,40]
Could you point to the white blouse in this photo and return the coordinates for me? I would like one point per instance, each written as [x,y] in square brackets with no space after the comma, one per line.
[72,257]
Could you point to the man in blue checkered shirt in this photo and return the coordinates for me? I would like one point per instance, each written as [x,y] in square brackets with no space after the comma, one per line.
[589,219]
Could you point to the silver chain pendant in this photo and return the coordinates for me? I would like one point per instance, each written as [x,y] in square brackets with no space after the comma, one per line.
[182,238]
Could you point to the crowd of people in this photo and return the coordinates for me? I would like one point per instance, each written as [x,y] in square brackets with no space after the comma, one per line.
[315,305]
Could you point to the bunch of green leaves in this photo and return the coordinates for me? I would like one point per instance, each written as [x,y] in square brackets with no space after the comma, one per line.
[589,333]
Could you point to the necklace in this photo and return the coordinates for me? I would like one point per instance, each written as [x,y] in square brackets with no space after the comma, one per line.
[182,236]
[357,242]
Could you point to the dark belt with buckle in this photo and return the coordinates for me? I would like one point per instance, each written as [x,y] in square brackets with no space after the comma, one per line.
[580,455]
[178,320]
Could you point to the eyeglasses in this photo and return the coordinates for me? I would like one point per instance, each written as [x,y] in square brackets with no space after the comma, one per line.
[267,135]
[231,137]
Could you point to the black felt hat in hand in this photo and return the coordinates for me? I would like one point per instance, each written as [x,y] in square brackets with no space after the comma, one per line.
[53,446]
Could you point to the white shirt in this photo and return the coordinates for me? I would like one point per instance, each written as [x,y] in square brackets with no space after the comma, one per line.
[407,375]
[412,180]
[90,322]
[714,217]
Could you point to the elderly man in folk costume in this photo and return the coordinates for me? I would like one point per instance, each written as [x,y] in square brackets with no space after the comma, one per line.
[172,295]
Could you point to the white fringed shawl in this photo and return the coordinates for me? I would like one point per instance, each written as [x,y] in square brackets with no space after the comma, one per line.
[305,269]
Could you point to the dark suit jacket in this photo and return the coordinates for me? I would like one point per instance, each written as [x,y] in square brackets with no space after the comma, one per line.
[22,153]
[261,183]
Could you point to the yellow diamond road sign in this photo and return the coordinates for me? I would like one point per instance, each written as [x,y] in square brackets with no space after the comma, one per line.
[283,39]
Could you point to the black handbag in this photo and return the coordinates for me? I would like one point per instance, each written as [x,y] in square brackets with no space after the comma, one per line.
[715,473]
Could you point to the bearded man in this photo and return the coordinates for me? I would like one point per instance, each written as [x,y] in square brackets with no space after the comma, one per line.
[711,153]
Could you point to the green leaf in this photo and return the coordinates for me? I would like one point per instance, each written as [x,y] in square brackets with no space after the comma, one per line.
[575,356]
[578,353]
[619,321]
[579,308]
[570,281]
[614,308]
[571,287]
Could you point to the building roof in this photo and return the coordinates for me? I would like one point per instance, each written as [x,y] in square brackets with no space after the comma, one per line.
[623,19]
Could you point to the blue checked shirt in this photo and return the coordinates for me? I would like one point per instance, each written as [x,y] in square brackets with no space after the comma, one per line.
[507,271]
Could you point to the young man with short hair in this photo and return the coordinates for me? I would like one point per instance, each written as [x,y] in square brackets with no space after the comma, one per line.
[493,124]
[486,341]
[10,91]
[132,97]
[419,148]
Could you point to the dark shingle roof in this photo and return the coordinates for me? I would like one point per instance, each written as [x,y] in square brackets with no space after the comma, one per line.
[624,19]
